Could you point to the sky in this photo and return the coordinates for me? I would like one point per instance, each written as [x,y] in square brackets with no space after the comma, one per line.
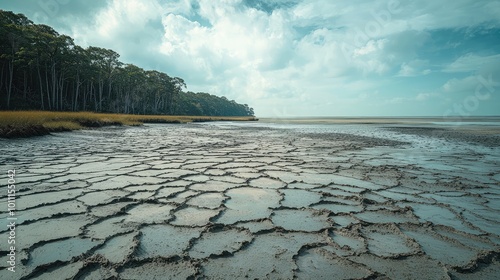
[291,58]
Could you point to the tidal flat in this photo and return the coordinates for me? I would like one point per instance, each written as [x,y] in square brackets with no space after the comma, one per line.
[260,200]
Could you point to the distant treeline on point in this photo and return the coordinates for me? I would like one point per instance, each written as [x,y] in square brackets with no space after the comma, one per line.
[44,70]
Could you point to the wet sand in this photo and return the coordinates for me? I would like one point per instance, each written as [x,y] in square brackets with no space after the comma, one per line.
[258,201]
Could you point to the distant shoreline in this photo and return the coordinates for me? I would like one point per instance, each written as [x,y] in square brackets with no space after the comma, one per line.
[420,119]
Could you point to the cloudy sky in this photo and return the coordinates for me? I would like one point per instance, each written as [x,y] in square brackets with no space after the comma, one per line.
[303,57]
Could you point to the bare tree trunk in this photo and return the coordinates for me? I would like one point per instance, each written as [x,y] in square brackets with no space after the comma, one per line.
[54,86]
[101,88]
[11,77]
[1,76]
[125,104]
[61,91]
[48,89]
[109,89]
[77,91]
[25,85]
[41,86]
[85,93]
[96,104]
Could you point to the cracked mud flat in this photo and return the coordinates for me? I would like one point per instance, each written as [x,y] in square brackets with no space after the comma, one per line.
[257,201]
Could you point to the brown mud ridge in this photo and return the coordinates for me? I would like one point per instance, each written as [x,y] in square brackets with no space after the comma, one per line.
[200,202]
[18,132]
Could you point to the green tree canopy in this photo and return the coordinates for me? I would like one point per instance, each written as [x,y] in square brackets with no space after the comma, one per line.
[42,69]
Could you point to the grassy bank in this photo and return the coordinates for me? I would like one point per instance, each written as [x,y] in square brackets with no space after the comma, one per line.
[32,123]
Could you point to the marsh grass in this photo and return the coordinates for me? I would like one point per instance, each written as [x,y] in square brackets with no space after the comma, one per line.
[31,123]
[61,125]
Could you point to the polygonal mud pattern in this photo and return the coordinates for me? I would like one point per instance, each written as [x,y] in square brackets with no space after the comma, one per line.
[159,270]
[232,202]
[317,263]
[152,241]
[300,220]
[245,204]
[219,242]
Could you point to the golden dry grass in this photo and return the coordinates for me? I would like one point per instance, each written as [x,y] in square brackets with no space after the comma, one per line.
[61,125]
[29,123]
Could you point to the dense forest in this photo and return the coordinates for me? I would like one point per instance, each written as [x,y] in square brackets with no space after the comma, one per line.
[44,70]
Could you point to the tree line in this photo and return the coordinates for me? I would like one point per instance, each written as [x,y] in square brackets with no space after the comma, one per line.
[44,70]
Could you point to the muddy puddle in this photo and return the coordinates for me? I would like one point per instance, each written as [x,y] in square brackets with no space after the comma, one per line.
[256,201]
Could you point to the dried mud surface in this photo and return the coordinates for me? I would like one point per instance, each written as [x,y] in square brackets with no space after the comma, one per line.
[486,136]
[206,201]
